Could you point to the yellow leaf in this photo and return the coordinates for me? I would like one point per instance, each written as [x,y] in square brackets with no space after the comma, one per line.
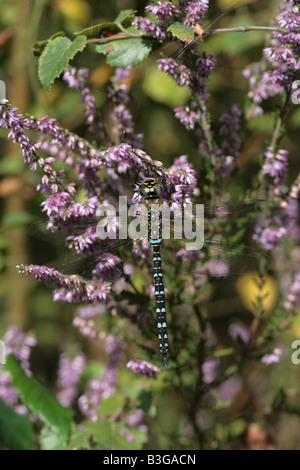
[296,327]
[78,11]
[248,291]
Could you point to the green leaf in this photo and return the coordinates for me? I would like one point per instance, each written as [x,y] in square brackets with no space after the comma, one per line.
[181,31]
[106,436]
[111,405]
[93,31]
[50,440]
[125,16]
[39,400]
[16,431]
[121,53]
[38,46]
[56,56]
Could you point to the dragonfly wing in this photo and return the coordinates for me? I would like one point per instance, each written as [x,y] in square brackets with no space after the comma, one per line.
[106,261]
[224,259]
[216,258]
[75,226]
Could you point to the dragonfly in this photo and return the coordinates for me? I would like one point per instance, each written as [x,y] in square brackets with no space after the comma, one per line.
[215,258]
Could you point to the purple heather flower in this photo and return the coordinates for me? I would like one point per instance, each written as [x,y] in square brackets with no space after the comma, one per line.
[143,368]
[229,388]
[195,11]
[274,357]
[123,73]
[19,344]
[230,130]
[275,72]
[87,327]
[293,297]
[269,237]
[239,331]
[55,204]
[123,128]
[69,373]
[69,288]
[210,370]
[164,11]
[135,420]
[17,124]
[180,73]
[276,165]
[77,79]
[155,30]
[187,117]
[104,387]
[91,311]
[218,268]
[127,434]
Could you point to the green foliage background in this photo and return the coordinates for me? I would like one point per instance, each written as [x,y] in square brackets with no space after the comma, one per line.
[154,95]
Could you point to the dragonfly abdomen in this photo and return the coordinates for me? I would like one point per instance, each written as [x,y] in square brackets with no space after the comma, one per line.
[151,190]
[160,307]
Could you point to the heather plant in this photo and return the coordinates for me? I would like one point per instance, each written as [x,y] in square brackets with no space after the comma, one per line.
[218,361]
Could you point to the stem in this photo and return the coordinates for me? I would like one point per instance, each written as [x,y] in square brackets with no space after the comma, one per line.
[244,29]
[276,134]
[117,37]
[238,29]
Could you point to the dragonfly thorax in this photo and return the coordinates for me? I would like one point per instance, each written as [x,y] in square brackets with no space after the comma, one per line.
[150,188]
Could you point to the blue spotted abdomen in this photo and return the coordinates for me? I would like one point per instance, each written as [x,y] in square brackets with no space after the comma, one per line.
[160,308]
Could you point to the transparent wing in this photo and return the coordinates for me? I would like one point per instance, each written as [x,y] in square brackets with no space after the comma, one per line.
[216,258]
[106,261]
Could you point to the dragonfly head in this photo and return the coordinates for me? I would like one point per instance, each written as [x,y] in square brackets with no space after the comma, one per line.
[150,188]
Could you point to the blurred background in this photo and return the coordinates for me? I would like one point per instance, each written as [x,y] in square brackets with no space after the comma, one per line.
[153,96]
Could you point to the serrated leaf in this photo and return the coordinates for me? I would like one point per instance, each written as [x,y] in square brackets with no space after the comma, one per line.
[38,46]
[16,431]
[39,400]
[93,31]
[121,53]
[56,56]
[181,31]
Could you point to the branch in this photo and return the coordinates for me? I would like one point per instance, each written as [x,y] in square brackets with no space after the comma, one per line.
[243,29]
[238,29]
[117,37]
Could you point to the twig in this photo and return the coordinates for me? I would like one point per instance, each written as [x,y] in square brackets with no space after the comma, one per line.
[238,29]
[244,29]
[117,37]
